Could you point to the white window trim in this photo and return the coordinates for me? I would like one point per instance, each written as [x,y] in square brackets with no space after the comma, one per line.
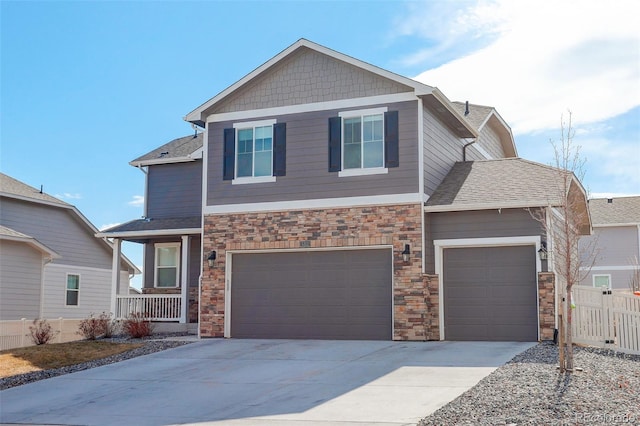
[361,171]
[66,289]
[252,179]
[593,280]
[155,263]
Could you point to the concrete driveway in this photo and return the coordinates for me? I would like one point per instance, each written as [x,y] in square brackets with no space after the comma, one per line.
[264,382]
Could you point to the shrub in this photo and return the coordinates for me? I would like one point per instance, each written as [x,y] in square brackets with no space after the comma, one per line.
[137,326]
[41,331]
[111,325]
[91,328]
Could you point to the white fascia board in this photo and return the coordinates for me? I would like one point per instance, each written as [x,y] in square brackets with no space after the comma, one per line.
[33,243]
[610,268]
[324,203]
[616,225]
[312,107]
[155,161]
[492,206]
[150,233]
[447,104]
[61,204]
[419,88]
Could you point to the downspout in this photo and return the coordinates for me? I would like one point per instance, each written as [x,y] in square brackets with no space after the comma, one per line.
[464,149]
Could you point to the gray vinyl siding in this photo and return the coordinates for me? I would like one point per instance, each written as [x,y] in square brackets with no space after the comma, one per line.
[307,163]
[94,295]
[20,281]
[613,246]
[620,279]
[441,150]
[193,274]
[59,229]
[476,224]
[306,77]
[174,190]
[490,142]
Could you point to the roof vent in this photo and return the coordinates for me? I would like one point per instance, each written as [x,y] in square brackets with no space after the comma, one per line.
[163,154]
[610,200]
[466,108]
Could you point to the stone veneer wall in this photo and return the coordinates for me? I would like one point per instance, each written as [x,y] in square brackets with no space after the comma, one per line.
[547,312]
[394,225]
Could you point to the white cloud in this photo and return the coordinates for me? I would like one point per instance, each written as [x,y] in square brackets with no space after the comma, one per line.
[138,200]
[69,196]
[109,225]
[541,59]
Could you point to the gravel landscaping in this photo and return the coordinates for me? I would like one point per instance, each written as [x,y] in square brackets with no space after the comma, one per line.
[528,390]
[150,346]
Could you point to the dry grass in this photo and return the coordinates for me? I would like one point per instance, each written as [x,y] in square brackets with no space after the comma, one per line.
[50,356]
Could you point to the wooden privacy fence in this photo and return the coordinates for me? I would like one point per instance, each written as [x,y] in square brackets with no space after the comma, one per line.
[606,318]
[16,334]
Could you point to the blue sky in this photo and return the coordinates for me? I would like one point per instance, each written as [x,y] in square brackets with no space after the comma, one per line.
[88,86]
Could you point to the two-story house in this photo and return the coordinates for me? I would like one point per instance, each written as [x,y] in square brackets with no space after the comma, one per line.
[51,265]
[612,253]
[343,201]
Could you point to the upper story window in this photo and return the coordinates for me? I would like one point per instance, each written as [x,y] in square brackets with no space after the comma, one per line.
[363,142]
[254,152]
[167,264]
[602,281]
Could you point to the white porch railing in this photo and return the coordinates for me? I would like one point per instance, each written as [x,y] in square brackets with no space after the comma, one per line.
[606,318]
[153,307]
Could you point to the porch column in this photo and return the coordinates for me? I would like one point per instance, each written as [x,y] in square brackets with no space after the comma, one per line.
[115,274]
[184,273]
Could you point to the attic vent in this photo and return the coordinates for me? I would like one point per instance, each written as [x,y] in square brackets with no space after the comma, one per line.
[163,154]
[610,200]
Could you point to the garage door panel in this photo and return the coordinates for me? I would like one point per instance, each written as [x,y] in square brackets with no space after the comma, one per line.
[490,293]
[336,294]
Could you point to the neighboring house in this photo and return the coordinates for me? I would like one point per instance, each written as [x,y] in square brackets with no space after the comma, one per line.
[614,247]
[51,265]
[335,204]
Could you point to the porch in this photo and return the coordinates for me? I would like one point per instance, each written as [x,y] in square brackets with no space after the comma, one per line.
[171,272]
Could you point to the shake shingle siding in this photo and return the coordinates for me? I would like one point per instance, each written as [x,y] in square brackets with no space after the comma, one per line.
[307,175]
[175,190]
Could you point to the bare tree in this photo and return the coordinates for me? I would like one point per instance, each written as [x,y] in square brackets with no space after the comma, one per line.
[564,221]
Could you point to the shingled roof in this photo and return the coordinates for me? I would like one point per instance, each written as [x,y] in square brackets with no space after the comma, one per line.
[505,183]
[14,188]
[612,211]
[478,114]
[180,149]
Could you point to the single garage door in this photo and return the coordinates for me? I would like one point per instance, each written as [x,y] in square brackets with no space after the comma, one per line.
[338,294]
[490,294]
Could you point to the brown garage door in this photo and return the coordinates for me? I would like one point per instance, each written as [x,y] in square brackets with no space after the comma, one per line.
[341,294]
[490,294]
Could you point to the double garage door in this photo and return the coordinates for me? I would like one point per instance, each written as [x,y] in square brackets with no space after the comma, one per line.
[490,293]
[315,294]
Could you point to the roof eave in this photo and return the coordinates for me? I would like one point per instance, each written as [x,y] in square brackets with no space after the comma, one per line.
[52,254]
[487,206]
[467,130]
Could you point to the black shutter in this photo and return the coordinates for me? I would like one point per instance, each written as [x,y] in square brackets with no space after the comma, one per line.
[280,149]
[391,154]
[335,144]
[229,154]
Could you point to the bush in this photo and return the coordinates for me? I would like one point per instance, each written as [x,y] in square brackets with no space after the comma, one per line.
[101,326]
[41,331]
[137,326]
